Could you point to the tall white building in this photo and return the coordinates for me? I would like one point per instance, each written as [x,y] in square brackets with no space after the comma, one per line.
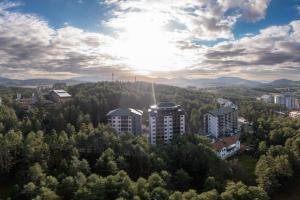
[297,102]
[166,121]
[267,98]
[287,100]
[126,120]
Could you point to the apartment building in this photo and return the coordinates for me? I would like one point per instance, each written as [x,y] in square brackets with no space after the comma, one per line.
[297,102]
[166,121]
[221,122]
[287,100]
[267,98]
[126,120]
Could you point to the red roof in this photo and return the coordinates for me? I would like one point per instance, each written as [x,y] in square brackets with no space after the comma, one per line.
[225,142]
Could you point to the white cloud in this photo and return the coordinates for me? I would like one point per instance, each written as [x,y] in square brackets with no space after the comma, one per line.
[152,35]
[204,20]
[298,9]
[29,45]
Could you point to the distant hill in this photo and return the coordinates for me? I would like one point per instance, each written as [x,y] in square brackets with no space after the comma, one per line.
[283,83]
[180,82]
[218,82]
[34,82]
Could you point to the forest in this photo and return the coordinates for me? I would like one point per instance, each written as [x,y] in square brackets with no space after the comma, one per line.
[66,151]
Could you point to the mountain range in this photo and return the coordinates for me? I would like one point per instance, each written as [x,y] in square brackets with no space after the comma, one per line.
[181,82]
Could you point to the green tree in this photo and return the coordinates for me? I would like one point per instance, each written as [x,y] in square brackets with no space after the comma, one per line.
[106,164]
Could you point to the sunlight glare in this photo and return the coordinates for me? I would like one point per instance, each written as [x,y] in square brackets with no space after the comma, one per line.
[145,45]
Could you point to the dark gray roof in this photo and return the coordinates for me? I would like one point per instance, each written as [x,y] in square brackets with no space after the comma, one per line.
[166,104]
[124,112]
[221,111]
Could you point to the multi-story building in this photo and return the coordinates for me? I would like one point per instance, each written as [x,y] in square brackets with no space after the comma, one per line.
[126,120]
[279,99]
[267,98]
[287,100]
[221,122]
[297,102]
[290,101]
[166,121]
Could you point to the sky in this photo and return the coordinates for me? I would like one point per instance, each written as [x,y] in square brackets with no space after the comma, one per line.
[61,39]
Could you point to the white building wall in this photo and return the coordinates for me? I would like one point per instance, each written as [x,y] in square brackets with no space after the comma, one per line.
[116,123]
[152,126]
[225,153]
[182,124]
[213,126]
[168,128]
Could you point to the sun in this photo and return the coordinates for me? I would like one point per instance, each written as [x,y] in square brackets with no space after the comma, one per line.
[145,46]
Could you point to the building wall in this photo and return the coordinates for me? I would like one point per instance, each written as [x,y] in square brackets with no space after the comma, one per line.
[226,153]
[212,125]
[287,100]
[165,125]
[126,124]
[217,126]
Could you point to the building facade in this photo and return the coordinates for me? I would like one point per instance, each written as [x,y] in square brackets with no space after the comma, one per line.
[166,121]
[267,98]
[221,122]
[126,120]
[297,102]
[287,100]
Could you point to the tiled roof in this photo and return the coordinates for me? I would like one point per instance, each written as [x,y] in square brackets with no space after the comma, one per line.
[225,142]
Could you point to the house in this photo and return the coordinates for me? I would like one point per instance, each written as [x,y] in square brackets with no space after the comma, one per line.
[226,103]
[227,146]
[26,103]
[294,114]
[59,96]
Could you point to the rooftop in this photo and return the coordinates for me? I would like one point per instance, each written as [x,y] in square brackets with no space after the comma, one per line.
[124,112]
[61,93]
[225,142]
[166,105]
[221,111]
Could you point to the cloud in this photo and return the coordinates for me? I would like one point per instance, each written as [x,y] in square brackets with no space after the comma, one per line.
[203,20]
[29,47]
[298,9]
[275,48]
[165,33]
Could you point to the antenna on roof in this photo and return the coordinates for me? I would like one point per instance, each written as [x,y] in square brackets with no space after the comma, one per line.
[112,77]
[153,93]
